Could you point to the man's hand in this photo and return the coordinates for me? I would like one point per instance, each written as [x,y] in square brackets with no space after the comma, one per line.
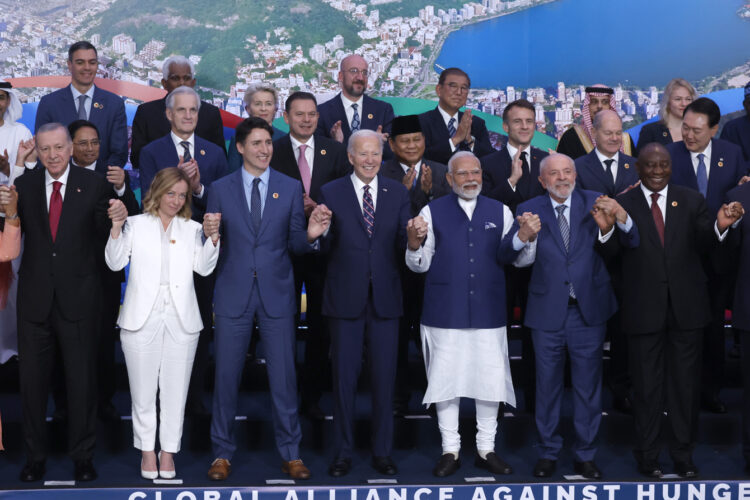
[26,152]
[191,169]
[516,169]
[309,205]
[744,179]
[116,177]
[529,226]
[729,214]
[336,133]
[9,204]
[463,132]
[383,135]
[320,220]
[118,214]
[409,177]
[4,163]
[426,179]
[211,225]
[611,208]
[416,232]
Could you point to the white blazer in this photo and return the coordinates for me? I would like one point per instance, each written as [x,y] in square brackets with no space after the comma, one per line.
[140,243]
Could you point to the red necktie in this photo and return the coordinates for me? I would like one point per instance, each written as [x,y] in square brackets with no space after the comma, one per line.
[658,217]
[55,208]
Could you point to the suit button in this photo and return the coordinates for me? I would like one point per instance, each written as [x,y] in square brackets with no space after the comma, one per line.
[471,244]
[370,251]
[54,254]
[471,275]
[471,229]
[471,259]
[471,292]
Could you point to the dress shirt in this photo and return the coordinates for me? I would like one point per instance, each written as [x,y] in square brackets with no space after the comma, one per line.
[359,191]
[181,151]
[446,119]
[512,150]
[603,238]
[706,160]
[309,152]
[247,182]
[615,157]
[48,180]
[87,104]
[417,168]
[92,167]
[350,111]
[419,260]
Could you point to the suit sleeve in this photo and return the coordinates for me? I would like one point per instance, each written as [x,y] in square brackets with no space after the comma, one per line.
[148,169]
[388,117]
[495,185]
[298,224]
[128,198]
[403,218]
[118,140]
[102,222]
[205,253]
[139,137]
[117,252]
[43,114]
[506,254]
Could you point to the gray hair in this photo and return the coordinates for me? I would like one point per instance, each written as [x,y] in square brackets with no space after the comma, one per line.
[673,84]
[461,154]
[260,87]
[180,91]
[600,116]
[180,60]
[362,133]
[52,126]
[552,156]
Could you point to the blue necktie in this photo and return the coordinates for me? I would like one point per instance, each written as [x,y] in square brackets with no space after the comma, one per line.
[82,115]
[701,175]
[255,205]
[451,127]
[355,118]
[186,157]
[368,210]
[565,232]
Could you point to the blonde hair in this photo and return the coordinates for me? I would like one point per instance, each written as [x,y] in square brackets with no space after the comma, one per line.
[673,84]
[260,87]
[163,182]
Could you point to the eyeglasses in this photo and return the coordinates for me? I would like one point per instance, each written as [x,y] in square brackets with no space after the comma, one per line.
[357,71]
[87,144]
[456,88]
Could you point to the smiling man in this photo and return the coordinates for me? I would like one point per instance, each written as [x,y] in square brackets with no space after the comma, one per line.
[82,100]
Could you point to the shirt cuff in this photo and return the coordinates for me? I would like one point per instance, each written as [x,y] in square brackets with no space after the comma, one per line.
[512,187]
[603,238]
[517,243]
[452,146]
[627,226]
[200,192]
[119,192]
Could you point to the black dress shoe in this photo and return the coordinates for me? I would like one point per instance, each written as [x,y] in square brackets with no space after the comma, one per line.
[587,469]
[623,405]
[493,463]
[650,469]
[313,412]
[340,467]
[84,470]
[447,465]
[108,413]
[544,467]
[686,469]
[713,404]
[384,465]
[32,471]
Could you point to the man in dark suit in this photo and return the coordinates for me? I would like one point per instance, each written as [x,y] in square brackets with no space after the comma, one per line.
[86,142]
[445,128]
[665,306]
[150,120]
[314,161]
[570,300]
[84,100]
[362,294]
[204,163]
[352,109]
[511,176]
[711,167]
[64,217]
[262,222]
[737,131]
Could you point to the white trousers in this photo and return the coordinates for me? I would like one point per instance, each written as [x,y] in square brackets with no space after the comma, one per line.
[159,358]
[447,414]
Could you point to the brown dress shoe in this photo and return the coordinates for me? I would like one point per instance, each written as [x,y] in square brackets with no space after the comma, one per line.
[220,469]
[296,469]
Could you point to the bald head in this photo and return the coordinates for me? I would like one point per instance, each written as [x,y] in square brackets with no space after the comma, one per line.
[353,76]
[607,132]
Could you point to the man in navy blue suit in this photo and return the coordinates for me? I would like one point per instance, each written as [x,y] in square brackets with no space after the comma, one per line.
[352,109]
[204,163]
[362,294]
[446,129]
[712,167]
[570,300]
[262,221]
[737,131]
[84,100]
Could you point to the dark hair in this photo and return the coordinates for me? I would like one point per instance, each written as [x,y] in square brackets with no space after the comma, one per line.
[247,125]
[452,71]
[298,95]
[705,106]
[79,124]
[82,45]
[518,103]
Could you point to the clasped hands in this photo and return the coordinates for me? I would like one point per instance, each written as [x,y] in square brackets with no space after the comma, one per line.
[319,222]
[606,211]
[728,214]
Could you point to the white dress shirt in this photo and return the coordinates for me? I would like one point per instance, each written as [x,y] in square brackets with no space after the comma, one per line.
[350,111]
[309,152]
[181,151]
[48,180]
[706,160]
[359,191]
[87,105]
[512,151]
[615,157]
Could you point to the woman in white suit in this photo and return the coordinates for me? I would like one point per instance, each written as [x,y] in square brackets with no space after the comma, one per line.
[159,320]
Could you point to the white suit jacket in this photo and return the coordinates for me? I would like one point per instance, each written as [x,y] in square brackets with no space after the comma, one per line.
[140,243]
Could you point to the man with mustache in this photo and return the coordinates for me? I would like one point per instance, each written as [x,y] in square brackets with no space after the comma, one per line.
[570,300]
[457,241]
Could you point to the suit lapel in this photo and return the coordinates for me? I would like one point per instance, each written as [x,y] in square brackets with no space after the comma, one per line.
[43,209]
[269,208]
[672,221]
[238,186]
[596,168]
[577,214]
[72,199]
[686,163]
[623,169]
[69,102]
[641,205]
[716,173]
[381,206]
[341,113]
[548,215]
[358,209]
[320,165]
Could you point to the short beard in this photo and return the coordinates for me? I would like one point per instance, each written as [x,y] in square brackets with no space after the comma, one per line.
[462,193]
[557,194]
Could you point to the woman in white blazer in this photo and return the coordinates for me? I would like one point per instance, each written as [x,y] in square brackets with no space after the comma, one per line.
[159,320]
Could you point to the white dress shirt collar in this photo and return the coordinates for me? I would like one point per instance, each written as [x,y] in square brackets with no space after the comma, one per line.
[647,193]
[296,144]
[447,117]
[348,103]
[77,94]
[48,180]
[602,157]
[177,140]
[467,206]
[512,150]
[416,167]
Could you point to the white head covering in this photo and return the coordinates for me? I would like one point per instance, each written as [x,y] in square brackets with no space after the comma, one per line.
[15,109]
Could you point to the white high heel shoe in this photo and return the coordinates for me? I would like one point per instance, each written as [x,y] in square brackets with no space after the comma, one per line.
[148,474]
[166,474]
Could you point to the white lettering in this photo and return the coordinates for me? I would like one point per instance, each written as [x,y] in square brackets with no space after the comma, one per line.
[744,491]
[421,491]
[696,491]
[310,494]
[445,493]
[589,492]
[211,495]
[610,489]
[394,494]
[478,494]
[373,494]
[186,494]
[136,494]
[665,492]
[568,494]
[353,494]
[527,493]
[645,493]
[721,492]
[236,495]
[502,489]
[331,494]
[291,495]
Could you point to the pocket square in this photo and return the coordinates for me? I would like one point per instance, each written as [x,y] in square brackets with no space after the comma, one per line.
[489,225]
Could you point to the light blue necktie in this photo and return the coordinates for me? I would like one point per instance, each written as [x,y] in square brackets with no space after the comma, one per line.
[82,107]
[355,118]
[701,175]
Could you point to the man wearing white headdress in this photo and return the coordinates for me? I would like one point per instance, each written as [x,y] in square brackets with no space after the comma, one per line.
[12,134]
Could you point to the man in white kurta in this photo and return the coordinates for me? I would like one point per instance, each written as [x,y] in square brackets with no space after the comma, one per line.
[459,241]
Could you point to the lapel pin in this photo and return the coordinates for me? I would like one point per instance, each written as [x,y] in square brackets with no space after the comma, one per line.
[674,203]
[627,165]
[323,152]
[172,241]
[369,117]
[275,195]
[721,162]
[78,190]
[665,133]
[385,190]
[98,106]
[203,152]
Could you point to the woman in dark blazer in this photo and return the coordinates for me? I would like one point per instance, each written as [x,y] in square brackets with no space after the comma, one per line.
[260,101]
[677,95]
